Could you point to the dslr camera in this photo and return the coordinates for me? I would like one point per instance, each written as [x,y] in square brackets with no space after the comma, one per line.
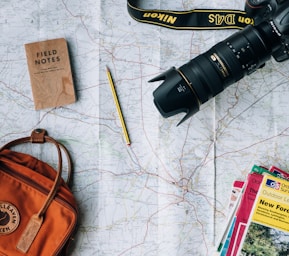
[186,88]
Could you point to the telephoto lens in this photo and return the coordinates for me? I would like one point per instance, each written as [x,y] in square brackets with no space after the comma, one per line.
[186,88]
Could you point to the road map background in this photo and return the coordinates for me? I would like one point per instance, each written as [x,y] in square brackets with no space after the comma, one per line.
[168,193]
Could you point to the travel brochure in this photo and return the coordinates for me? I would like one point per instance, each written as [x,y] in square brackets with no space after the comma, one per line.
[258,215]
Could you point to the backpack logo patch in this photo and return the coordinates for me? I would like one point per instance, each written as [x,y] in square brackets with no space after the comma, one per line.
[9,218]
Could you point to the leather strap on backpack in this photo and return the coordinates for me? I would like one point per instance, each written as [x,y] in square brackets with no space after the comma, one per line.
[41,136]
[190,20]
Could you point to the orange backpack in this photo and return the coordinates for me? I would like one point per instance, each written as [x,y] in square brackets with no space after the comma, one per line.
[38,212]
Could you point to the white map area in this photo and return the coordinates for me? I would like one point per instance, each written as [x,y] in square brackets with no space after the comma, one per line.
[167,194]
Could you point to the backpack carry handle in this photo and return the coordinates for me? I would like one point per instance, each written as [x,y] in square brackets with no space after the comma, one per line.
[41,136]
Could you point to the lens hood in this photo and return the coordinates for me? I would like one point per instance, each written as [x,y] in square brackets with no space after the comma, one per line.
[174,95]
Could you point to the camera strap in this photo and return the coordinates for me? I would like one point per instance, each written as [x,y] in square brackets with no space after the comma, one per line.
[190,20]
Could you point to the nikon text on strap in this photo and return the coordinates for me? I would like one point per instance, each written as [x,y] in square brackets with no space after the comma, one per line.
[193,19]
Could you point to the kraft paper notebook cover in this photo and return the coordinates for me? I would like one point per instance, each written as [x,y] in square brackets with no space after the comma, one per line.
[50,73]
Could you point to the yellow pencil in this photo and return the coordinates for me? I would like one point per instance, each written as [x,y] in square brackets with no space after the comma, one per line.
[117,106]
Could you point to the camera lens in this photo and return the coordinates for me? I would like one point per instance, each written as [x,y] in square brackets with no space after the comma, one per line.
[194,83]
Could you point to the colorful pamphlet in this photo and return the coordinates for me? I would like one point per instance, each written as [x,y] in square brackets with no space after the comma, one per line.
[236,195]
[268,229]
[251,212]
[243,212]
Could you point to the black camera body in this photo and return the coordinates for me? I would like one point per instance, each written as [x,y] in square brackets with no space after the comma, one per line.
[264,10]
[186,88]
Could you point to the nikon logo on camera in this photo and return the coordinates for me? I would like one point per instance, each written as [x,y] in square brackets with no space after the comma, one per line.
[229,19]
[161,17]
